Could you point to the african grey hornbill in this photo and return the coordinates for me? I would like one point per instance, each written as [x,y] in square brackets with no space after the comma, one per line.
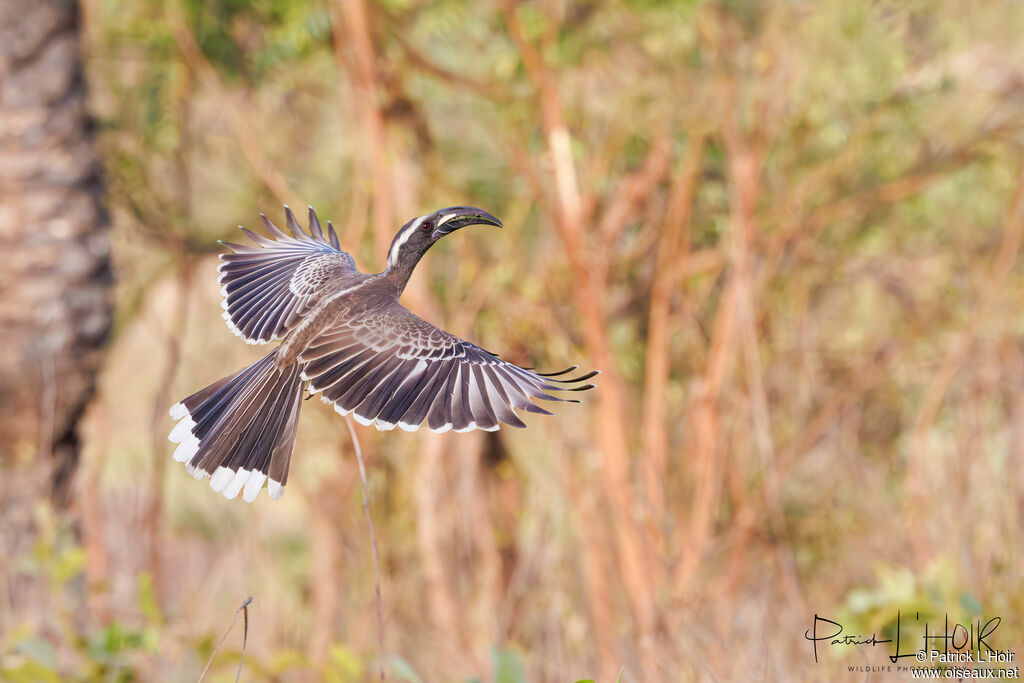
[345,333]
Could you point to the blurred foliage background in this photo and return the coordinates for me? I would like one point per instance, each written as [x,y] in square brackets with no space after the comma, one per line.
[789,233]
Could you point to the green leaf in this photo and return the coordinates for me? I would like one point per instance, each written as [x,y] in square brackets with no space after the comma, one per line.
[40,650]
[403,670]
[343,665]
[970,604]
[29,672]
[146,593]
[287,659]
[508,668]
[69,564]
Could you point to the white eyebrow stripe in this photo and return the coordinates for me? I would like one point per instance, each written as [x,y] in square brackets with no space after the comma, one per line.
[402,239]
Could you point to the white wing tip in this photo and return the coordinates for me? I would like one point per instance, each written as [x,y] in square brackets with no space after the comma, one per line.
[408,427]
[234,487]
[468,428]
[221,478]
[188,443]
[237,332]
[442,429]
[275,489]
[253,486]
[186,449]
[182,430]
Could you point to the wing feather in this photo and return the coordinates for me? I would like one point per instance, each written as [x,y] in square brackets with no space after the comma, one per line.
[414,416]
[333,235]
[485,415]
[314,227]
[268,288]
[439,417]
[390,368]
[330,382]
[373,407]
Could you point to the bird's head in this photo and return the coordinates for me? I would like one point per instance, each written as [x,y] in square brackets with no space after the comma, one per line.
[419,234]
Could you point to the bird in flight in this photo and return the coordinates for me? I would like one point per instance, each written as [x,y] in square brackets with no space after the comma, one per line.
[345,336]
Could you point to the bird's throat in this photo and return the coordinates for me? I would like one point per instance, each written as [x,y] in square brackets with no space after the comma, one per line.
[399,272]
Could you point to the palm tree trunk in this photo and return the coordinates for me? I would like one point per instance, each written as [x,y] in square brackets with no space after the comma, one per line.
[55,276]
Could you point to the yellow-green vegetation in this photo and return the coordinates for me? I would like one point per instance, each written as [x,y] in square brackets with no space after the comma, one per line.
[788,233]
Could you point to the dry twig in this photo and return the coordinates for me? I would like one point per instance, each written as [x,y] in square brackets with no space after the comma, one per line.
[373,542]
[244,609]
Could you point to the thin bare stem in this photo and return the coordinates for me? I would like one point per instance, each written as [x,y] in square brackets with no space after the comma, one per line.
[244,608]
[373,541]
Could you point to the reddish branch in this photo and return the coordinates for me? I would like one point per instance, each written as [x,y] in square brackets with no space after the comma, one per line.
[585,256]
[672,249]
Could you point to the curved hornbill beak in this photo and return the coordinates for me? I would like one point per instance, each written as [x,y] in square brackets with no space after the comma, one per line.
[451,219]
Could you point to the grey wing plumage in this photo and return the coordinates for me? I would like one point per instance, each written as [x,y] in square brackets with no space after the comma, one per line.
[268,287]
[390,368]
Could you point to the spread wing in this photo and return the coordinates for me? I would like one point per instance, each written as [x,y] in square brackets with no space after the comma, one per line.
[267,288]
[389,367]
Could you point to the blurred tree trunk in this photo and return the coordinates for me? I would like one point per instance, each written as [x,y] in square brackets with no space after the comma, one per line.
[55,280]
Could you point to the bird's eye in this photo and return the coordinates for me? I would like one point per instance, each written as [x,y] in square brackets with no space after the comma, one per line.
[427,225]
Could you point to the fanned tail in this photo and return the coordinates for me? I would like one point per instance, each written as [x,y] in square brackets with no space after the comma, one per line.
[240,430]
